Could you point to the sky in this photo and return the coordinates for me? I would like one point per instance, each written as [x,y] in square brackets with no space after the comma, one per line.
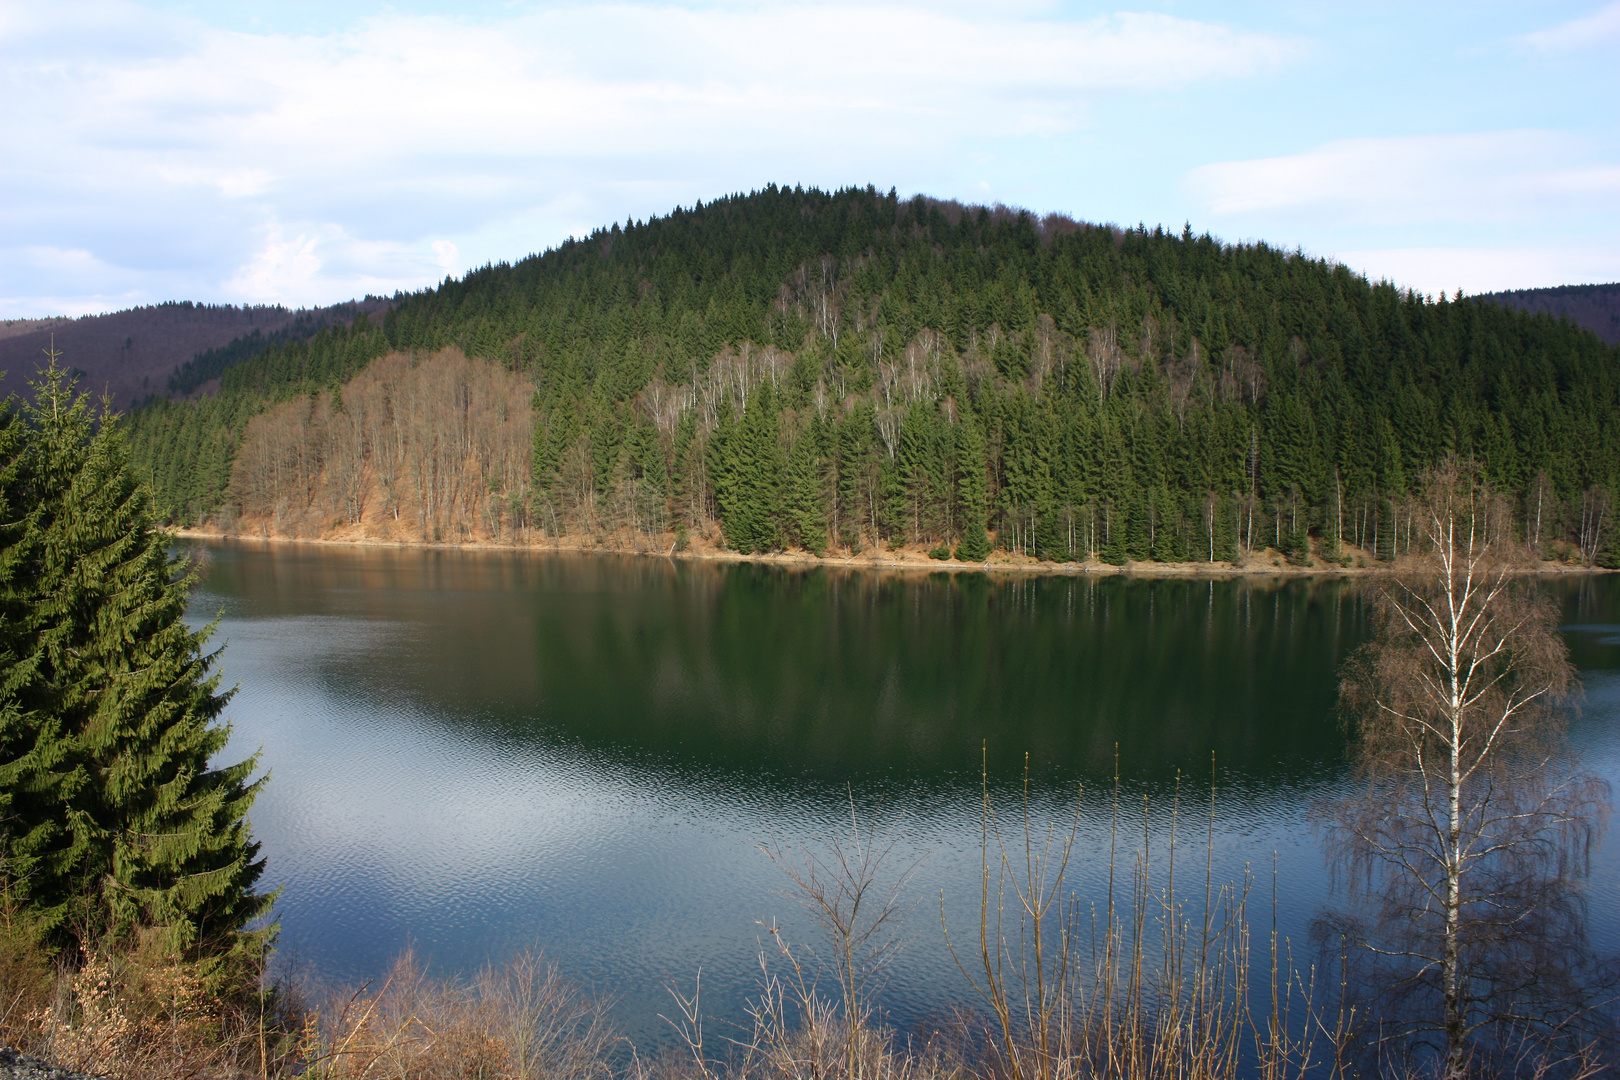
[304,153]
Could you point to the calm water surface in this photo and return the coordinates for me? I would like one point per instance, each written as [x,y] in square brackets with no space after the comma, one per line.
[471,753]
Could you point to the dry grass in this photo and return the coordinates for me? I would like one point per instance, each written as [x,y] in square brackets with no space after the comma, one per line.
[522,1021]
[26,975]
[1145,984]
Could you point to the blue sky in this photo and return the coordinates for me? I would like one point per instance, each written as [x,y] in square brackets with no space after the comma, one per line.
[305,153]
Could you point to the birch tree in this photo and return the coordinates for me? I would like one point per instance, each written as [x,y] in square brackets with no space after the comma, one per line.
[1468,839]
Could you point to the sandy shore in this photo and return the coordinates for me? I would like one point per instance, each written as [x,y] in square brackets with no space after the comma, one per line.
[1266,563]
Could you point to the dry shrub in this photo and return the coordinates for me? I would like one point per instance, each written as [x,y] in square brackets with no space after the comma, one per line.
[518,1022]
[1148,982]
[137,1011]
[26,975]
[823,1044]
[797,1033]
[133,1009]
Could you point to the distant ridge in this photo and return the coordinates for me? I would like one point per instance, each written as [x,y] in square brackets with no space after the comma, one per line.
[1593,307]
[158,350]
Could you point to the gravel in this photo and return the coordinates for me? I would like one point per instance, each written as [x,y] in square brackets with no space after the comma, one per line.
[15,1066]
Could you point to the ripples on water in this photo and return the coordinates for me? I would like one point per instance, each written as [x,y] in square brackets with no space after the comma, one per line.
[474,753]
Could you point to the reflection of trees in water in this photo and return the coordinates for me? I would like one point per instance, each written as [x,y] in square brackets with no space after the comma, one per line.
[1466,848]
[753,676]
[749,668]
[856,672]
[830,672]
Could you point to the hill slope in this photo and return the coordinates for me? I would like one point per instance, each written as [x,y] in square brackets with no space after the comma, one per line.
[133,354]
[811,369]
[1594,307]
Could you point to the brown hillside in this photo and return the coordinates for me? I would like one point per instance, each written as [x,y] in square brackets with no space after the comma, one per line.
[131,354]
[15,327]
[433,448]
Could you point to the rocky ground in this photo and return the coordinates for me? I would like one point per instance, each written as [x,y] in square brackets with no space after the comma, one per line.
[15,1066]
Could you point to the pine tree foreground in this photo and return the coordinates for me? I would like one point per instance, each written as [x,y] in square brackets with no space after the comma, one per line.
[115,824]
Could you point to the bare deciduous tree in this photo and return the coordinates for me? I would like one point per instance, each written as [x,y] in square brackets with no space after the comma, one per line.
[443,438]
[1538,502]
[1468,840]
[852,890]
[346,457]
[1594,520]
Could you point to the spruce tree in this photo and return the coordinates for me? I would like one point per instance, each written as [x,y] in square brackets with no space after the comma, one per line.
[975,545]
[720,454]
[28,743]
[1099,363]
[806,506]
[118,820]
[971,490]
[752,510]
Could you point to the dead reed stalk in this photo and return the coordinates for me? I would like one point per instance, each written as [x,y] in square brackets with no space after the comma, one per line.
[1145,985]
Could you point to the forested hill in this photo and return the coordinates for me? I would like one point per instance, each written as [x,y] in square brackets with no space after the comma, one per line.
[158,350]
[1596,307]
[798,368]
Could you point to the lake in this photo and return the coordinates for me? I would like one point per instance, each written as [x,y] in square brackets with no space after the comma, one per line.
[473,753]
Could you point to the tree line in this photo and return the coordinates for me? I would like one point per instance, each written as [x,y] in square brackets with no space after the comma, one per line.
[852,370]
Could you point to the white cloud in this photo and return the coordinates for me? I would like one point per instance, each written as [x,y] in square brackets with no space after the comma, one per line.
[1602,27]
[231,183]
[401,132]
[1490,178]
[587,79]
[310,265]
[280,269]
[45,258]
[446,256]
[1435,270]
[30,265]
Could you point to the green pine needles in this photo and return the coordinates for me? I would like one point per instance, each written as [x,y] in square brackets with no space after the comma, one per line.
[747,468]
[115,820]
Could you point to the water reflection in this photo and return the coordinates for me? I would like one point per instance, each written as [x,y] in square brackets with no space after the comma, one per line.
[478,751]
[822,673]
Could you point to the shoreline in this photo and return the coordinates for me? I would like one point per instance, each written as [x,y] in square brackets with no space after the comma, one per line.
[1265,564]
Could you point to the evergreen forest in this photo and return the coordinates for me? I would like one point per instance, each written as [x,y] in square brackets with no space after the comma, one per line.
[851,371]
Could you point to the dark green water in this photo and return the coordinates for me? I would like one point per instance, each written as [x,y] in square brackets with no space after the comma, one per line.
[472,753]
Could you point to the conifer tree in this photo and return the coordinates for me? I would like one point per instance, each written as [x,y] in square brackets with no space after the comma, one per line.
[753,459]
[1101,364]
[24,740]
[118,821]
[971,490]
[720,454]
[806,506]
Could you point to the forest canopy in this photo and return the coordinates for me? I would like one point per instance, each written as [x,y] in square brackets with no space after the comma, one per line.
[847,370]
